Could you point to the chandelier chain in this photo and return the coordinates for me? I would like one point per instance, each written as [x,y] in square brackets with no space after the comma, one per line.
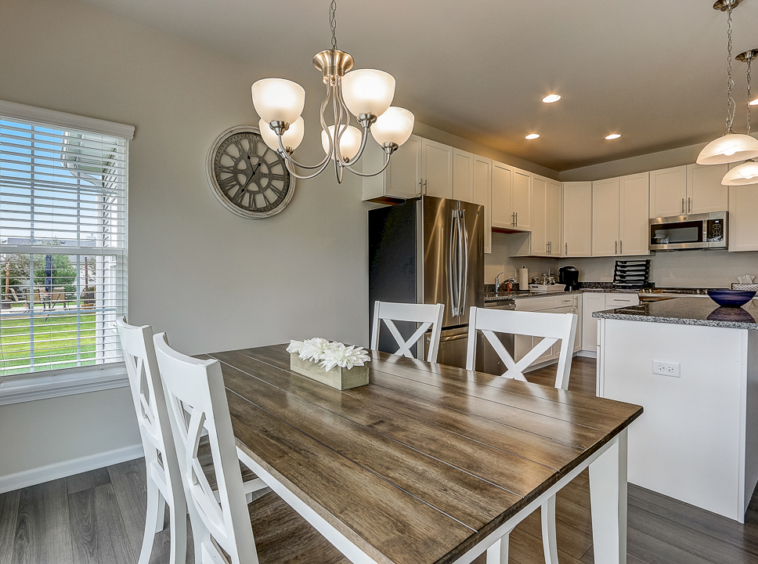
[749,65]
[730,103]
[333,23]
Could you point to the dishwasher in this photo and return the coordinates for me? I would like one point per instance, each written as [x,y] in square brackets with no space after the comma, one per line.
[487,359]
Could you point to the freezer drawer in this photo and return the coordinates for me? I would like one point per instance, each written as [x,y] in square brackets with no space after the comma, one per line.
[453,346]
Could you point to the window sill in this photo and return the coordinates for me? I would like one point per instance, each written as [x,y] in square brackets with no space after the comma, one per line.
[57,383]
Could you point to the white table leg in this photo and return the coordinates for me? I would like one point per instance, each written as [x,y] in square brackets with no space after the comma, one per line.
[498,552]
[549,543]
[608,497]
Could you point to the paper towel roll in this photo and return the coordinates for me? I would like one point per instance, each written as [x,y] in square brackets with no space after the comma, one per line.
[523,278]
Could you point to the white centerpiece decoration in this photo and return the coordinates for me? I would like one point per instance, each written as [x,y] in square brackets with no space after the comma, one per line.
[335,364]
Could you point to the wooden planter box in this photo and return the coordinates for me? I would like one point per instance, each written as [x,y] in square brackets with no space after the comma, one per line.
[339,378]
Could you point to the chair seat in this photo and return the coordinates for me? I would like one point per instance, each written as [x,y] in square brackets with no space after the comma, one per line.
[282,535]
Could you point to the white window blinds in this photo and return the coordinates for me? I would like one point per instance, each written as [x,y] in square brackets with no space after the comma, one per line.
[62,246]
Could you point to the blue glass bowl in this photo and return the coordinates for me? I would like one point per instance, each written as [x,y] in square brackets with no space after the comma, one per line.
[731,298]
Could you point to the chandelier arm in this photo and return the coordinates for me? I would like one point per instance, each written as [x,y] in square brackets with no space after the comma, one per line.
[367,174]
[338,128]
[364,137]
[322,165]
[308,177]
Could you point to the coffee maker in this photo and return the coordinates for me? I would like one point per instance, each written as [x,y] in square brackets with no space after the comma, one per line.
[569,276]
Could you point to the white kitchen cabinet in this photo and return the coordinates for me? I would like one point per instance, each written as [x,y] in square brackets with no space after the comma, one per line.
[605,217]
[482,194]
[402,178]
[463,176]
[743,217]
[549,304]
[546,217]
[705,193]
[620,216]
[616,301]
[522,198]
[437,169]
[503,214]
[591,302]
[668,192]
[577,219]
[634,201]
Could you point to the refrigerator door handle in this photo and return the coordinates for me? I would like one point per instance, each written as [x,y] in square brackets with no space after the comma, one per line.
[464,258]
[452,263]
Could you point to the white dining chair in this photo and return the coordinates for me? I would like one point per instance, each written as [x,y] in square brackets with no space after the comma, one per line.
[429,315]
[164,485]
[552,327]
[222,521]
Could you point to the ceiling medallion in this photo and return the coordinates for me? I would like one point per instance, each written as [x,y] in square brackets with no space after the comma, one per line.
[367,94]
[731,147]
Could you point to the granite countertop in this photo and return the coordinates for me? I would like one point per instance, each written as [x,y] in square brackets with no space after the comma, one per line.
[688,311]
[489,295]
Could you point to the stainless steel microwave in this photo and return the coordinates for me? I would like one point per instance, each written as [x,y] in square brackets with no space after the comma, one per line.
[697,231]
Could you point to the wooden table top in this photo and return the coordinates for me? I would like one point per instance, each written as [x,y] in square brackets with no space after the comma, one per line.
[425,461]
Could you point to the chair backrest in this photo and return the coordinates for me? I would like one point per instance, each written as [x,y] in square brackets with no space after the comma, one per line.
[196,401]
[150,404]
[427,314]
[553,327]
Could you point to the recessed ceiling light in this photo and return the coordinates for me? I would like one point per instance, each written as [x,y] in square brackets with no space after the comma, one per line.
[613,136]
[532,136]
[754,102]
[551,98]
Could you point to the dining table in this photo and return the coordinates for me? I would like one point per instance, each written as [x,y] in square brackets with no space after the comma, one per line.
[427,463]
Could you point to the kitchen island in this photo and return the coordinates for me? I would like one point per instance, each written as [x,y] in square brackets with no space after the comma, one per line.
[694,368]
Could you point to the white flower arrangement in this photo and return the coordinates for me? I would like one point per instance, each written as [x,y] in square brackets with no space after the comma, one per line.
[329,354]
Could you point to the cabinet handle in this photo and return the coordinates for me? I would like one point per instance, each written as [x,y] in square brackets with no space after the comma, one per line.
[424,186]
[616,248]
[516,220]
[513,219]
[621,247]
[682,205]
[567,249]
[689,205]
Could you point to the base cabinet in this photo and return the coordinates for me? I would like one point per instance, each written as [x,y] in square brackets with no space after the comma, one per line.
[571,303]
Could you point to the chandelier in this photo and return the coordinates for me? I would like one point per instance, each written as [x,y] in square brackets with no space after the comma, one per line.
[747,172]
[366,94]
[731,147]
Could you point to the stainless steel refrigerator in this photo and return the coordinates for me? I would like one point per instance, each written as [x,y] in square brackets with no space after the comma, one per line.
[428,251]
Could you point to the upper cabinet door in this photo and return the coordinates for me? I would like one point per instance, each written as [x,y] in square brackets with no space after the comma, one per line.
[463,176]
[553,218]
[482,182]
[522,198]
[503,214]
[743,219]
[404,172]
[634,204]
[577,219]
[539,219]
[704,190]
[437,163]
[668,192]
[605,217]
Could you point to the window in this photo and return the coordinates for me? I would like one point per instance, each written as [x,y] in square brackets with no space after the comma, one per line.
[63,195]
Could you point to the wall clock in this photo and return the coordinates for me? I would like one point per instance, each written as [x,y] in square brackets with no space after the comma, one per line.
[247,176]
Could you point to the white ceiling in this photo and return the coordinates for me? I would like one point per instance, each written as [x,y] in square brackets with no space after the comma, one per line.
[651,70]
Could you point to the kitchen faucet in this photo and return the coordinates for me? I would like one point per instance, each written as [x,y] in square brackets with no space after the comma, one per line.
[497,284]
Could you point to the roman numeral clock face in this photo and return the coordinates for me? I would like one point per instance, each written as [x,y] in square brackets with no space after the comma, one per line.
[247,177]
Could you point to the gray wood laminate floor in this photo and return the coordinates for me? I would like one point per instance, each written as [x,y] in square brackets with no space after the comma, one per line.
[98,518]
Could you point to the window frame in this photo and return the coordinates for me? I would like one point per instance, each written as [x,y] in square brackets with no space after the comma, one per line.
[54,383]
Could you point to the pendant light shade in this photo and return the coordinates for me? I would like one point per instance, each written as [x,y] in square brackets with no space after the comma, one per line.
[277,99]
[368,91]
[730,148]
[393,126]
[291,138]
[746,173]
[350,141]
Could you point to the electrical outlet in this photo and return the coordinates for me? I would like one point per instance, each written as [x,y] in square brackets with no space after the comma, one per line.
[666,368]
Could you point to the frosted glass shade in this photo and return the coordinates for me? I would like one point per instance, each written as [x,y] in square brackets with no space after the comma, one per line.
[277,99]
[746,173]
[393,126]
[368,91]
[350,142]
[291,138]
[730,148]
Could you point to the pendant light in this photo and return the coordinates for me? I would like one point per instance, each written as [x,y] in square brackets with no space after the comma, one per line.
[731,147]
[746,173]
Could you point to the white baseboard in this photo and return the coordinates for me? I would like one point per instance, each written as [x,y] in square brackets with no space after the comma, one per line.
[587,354]
[68,468]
